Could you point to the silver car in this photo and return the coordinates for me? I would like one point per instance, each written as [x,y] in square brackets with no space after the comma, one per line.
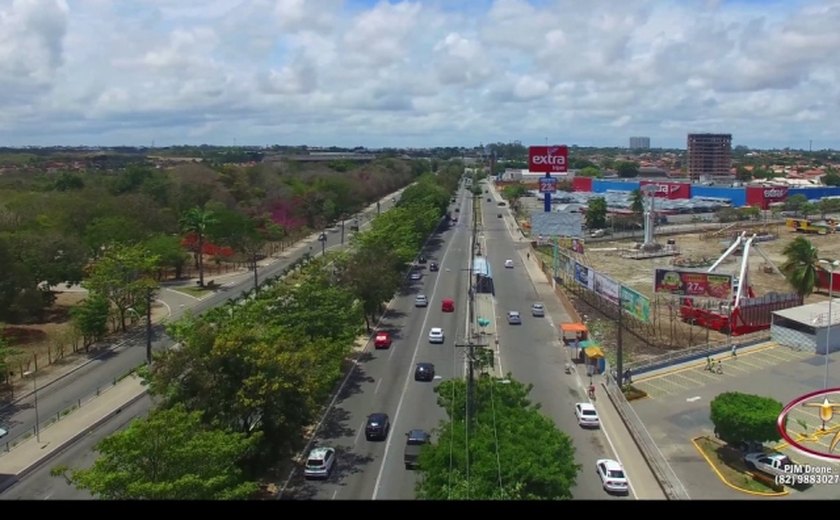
[421,301]
[538,310]
[514,318]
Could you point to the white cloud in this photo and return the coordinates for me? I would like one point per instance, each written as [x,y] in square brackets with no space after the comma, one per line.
[417,73]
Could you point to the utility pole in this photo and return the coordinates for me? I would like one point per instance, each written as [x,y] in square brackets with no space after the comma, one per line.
[149,326]
[342,230]
[256,274]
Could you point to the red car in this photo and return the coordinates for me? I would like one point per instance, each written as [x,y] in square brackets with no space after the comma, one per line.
[447,305]
[382,340]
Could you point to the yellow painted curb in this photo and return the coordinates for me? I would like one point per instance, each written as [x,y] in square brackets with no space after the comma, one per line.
[722,357]
[723,479]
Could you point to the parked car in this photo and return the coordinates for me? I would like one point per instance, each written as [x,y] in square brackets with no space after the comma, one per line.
[508,264]
[382,339]
[773,463]
[319,463]
[587,416]
[612,476]
[415,275]
[514,318]
[433,267]
[421,301]
[500,203]
[424,372]
[436,335]
[421,259]
[538,310]
[377,426]
[415,440]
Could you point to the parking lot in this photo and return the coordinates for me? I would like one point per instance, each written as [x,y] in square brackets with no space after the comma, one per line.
[677,409]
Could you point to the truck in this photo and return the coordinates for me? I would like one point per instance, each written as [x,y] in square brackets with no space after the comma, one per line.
[414,442]
[776,465]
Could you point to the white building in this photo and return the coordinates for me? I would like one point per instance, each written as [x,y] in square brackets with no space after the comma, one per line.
[807,327]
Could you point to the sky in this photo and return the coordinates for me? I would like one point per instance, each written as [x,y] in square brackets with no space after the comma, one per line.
[418,74]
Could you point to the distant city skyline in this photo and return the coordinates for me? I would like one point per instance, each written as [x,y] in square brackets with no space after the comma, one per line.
[418,74]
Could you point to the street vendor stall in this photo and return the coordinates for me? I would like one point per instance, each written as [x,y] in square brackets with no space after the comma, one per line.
[573,333]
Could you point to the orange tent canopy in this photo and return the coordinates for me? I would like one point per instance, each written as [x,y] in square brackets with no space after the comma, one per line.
[573,327]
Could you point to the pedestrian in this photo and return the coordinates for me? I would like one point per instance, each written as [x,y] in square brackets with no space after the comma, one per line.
[734,351]
[709,363]
[719,367]
[528,256]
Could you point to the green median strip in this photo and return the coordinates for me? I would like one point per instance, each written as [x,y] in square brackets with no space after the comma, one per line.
[727,462]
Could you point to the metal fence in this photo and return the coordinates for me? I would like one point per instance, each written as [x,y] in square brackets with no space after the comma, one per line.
[662,470]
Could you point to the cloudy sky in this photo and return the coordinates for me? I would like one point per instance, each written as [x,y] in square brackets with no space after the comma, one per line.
[419,73]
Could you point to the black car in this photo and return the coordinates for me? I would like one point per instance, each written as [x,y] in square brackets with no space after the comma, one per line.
[433,266]
[498,215]
[377,427]
[424,372]
[421,259]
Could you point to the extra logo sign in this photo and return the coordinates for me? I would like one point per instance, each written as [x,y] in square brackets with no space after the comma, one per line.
[666,189]
[548,159]
[775,193]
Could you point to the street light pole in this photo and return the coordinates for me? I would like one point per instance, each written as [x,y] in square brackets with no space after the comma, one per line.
[832,264]
[35,392]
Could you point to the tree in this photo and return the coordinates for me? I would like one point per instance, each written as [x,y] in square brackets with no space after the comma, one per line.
[198,221]
[637,203]
[90,317]
[831,179]
[373,274]
[627,169]
[170,254]
[742,173]
[795,202]
[111,230]
[590,171]
[745,417]
[170,455]
[800,267]
[124,275]
[596,213]
[503,429]
[6,352]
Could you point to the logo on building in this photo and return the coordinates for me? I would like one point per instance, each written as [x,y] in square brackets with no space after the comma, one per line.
[775,193]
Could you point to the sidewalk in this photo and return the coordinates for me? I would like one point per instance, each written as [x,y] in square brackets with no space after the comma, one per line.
[30,454]
[644,483]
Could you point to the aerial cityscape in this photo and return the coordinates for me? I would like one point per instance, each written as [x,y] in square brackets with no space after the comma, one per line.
[392,250]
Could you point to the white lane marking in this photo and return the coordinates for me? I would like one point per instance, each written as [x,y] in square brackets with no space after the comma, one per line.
[692,399]
[408,377]
[376,390]
[358,433]
[188,295]
[335,494]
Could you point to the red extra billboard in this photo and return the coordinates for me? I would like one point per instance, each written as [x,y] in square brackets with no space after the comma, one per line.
[763,196]
[548,159]
[582,184]
[669,190]
[693,284]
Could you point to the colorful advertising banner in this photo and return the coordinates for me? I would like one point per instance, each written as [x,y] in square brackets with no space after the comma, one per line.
[548,159]
[572,244]
[693,284]
[635,304]
[605,287]
[669,190]
[583,276]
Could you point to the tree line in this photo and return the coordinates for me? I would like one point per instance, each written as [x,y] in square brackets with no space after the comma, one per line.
[249,377]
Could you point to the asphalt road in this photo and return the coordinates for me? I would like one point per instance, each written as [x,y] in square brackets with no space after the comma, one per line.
[532,352]
[383,381]
[19,416]
[40,485]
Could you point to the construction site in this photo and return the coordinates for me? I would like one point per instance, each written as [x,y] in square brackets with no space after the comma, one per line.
[676,322]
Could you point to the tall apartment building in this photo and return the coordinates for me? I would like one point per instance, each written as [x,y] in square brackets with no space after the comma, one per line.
[709,155]
[640,143]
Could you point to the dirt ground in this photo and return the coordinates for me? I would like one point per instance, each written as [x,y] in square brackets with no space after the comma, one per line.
[671,333]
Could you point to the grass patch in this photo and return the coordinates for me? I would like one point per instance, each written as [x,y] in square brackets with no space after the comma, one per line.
[730,464]
[631,393]
[196,291]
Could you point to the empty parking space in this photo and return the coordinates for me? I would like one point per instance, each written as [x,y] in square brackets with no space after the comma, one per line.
[695,376]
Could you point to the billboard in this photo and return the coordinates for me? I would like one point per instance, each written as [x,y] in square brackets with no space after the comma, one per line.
[763,196]
[548,159]
[566,266]
[574,244]
[693,284]
[606,287]
[582,184]
[635,304]
[556,224]
[548,184]
[669,190]
[583,276]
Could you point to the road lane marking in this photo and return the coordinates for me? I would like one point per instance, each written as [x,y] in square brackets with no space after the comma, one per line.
[408,378]
[361,428]
[692,399]
[335,493]
[376,390]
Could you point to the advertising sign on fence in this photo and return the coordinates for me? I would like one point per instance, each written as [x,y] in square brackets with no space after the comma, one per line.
[583,276]
[566,266]
[572,244]
[635,304]
[605,287]
[693,284]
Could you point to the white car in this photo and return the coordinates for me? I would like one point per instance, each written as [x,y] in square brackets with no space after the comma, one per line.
[421,301]
[436,335]
[612,476]
[587,416]
[538,310]
[320,463]
[3,433]
[514,318]
[508,264]
[415,275]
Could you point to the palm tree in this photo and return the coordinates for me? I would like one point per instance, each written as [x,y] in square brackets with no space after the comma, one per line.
[637,203]
[800,268]
[198,220]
